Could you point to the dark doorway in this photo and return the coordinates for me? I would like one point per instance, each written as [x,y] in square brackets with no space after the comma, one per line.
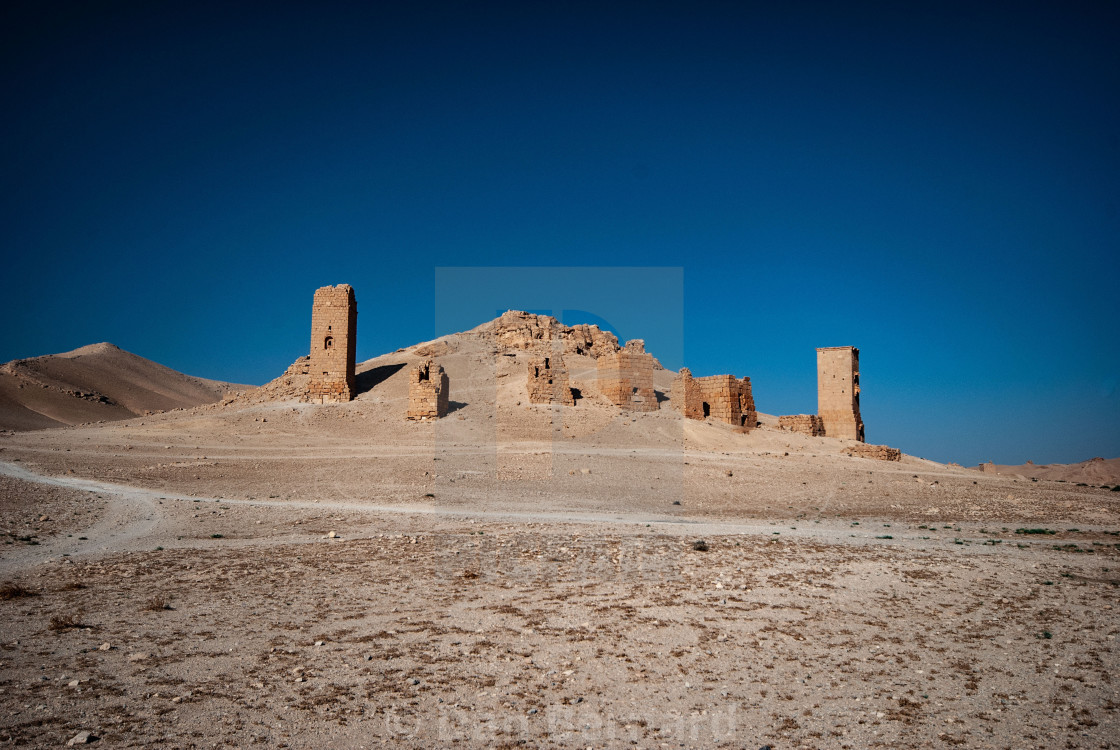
[707,410]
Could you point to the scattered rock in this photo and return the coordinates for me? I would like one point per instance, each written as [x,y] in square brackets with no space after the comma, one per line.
[104,647]
[83,737]
[139,656]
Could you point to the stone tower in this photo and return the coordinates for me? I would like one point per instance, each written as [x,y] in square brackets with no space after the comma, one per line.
[626,377]
[548,382]
[334,327]
[838,392]
[428,394]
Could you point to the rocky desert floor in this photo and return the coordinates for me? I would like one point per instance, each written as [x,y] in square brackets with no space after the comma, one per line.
[275,573]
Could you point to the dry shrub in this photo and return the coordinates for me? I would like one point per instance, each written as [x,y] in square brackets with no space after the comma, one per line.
[158,604]
[470,574]
[12,590]
[60,623]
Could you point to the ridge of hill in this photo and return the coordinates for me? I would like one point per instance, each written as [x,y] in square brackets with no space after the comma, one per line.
[97,382]
[1095,471]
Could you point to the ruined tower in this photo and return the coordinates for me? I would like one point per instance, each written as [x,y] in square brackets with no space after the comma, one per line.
[721,397]
[838,392]
[548,381]
[334,327]
[428,392]
[626,377]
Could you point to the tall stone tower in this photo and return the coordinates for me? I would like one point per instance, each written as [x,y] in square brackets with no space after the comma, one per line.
[334,328]
[838,392]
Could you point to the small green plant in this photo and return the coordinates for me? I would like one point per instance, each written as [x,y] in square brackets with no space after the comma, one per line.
[700,545]
[1035,531]
[215,536]
[1046,634]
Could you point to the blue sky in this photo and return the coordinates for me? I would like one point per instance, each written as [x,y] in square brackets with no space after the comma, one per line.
[935,183]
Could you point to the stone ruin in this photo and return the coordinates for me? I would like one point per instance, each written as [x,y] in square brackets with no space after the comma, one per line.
[806,424]
[838,392]
[427,392]
[626,377]
[334,325]
[720,397]
[531,332]
[548,382]
[878,452]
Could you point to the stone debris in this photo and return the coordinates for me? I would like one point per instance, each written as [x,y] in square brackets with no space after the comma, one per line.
[427,392]
[516,330]
[806,424]
[81,738]
[878,452]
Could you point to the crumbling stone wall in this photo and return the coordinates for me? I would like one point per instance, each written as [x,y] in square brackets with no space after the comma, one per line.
[721,397]
[427,392]
[517,330]
[548,382]
[879,452]
[685,395]
[334,325]
[807,424]
[838,392]
[626,378]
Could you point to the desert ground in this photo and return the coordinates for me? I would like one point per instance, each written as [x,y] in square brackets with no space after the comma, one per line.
[262,571]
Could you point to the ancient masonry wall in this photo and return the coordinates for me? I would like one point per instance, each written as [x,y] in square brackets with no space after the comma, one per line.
[721,397]
[427,392]
[334,325]
[807,424]
[626,377]
[838,392]
[880,452]
[548,382]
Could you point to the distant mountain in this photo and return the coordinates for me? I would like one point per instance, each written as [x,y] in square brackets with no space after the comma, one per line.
[1095,471]
[99,382]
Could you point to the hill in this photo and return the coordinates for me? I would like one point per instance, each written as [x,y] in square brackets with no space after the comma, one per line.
[99,382]
[1095,471]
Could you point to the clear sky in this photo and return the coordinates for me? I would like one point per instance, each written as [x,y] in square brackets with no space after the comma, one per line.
[934,183]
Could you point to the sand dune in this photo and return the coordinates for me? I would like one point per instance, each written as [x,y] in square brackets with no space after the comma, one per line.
[99,382]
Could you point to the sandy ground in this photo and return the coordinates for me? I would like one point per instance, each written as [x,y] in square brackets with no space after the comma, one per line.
[517,576]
